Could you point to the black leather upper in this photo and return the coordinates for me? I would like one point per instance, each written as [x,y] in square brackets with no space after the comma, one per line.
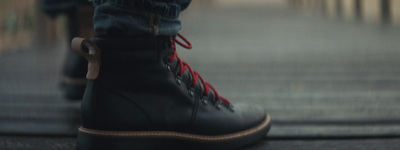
[138,89]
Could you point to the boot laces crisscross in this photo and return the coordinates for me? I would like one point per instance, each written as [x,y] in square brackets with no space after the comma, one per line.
[184,66]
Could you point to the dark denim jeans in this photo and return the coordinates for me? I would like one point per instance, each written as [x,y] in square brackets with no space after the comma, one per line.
[138,17]
[128,18]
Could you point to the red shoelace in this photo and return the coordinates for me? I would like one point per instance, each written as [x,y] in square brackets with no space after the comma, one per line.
[195,75]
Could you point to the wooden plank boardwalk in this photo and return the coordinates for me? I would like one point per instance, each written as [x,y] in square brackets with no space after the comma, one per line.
[328,84]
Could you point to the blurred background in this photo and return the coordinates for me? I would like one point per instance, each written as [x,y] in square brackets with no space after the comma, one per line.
[22,24]
[324,69]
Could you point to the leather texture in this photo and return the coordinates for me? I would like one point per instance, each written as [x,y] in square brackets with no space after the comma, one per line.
[138,89]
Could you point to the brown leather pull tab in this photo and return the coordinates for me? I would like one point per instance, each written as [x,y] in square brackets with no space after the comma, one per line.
[91,52]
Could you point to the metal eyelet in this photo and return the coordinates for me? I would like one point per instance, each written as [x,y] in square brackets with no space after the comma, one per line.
[168,67]
[168,44]
[204,100]
[231,108]
[218,104]
[179,80]
[191,92]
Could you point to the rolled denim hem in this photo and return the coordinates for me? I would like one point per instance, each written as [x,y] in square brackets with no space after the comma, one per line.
[137,17]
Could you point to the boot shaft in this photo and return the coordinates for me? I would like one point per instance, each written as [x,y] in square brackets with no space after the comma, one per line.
[132,62]
[134,87]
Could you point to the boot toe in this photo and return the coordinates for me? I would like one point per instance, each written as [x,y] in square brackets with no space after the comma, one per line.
[226,121]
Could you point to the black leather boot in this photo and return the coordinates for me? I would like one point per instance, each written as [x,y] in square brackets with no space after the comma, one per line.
[141,95]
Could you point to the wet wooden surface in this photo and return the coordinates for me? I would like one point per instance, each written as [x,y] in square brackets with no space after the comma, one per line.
[328,84]
[66,143]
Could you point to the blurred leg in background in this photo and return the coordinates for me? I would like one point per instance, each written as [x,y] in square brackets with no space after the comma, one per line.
[79,15]
[141,95]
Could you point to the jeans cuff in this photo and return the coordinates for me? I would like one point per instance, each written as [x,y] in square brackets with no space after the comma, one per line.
[170,10]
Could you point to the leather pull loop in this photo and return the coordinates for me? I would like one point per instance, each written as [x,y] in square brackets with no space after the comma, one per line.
[92,54]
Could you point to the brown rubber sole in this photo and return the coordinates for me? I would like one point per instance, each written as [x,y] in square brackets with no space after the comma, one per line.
[94,139]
